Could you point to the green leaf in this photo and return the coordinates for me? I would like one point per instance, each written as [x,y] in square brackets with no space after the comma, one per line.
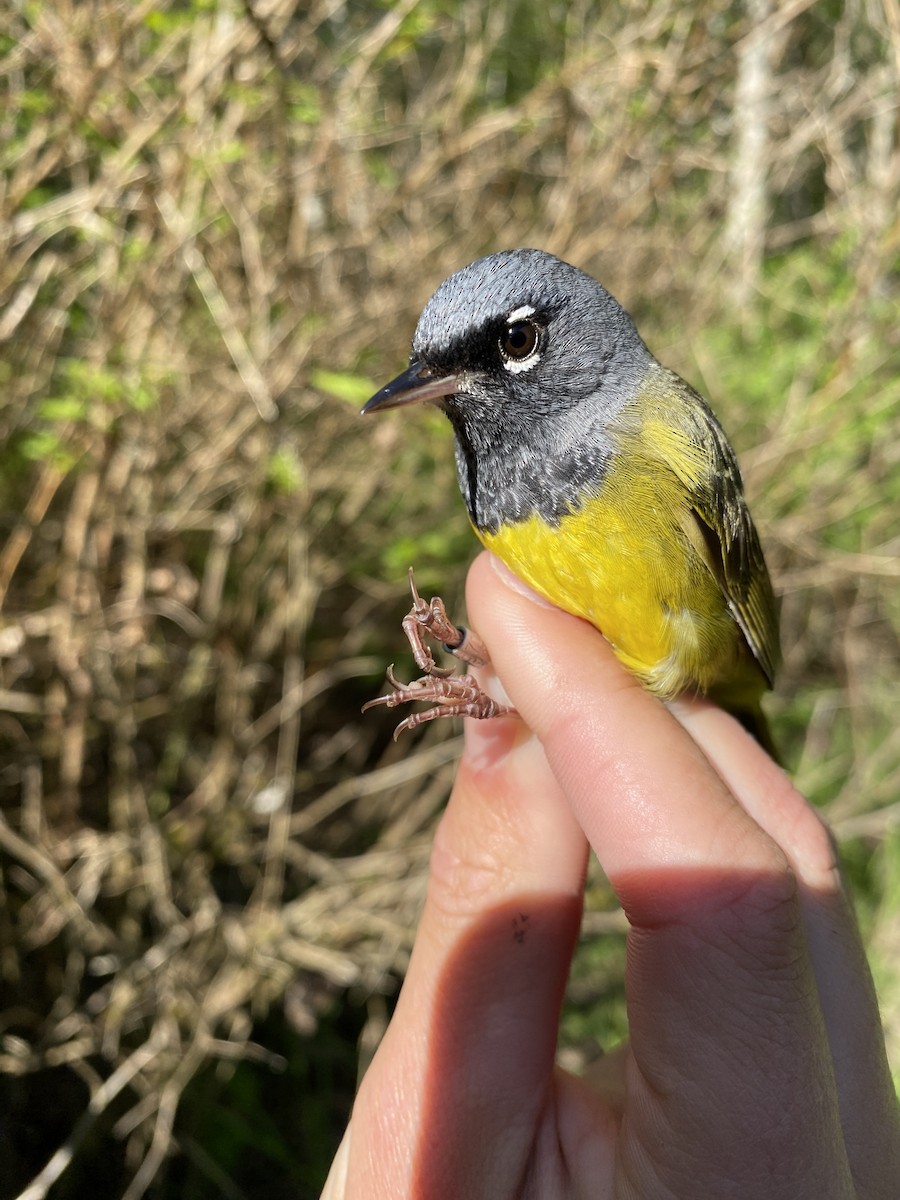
[354,389]
[63,408]
[285,471]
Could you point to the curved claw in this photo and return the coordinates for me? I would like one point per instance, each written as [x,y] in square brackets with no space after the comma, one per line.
[418,602]
[450,696]
[403,693]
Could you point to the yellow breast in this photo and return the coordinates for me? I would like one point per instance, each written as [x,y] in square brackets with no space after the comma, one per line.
[625,562]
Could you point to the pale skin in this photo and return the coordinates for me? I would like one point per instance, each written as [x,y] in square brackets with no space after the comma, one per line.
[755,1067]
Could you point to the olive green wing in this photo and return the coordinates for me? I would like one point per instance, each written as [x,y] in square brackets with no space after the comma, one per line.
[696,449]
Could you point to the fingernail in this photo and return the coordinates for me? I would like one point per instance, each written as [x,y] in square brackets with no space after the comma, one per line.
[516,584]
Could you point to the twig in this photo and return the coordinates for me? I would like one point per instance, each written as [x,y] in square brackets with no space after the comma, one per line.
[38,1188]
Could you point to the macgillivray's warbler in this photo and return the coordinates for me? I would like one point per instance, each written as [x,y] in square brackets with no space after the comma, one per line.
[599,477]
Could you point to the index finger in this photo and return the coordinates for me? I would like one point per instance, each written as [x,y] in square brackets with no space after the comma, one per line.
[728,1037]
[668,806]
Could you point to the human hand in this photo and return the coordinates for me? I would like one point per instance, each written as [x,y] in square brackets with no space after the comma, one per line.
[755,1067]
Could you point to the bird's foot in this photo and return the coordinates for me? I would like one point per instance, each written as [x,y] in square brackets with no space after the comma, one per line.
[430,617]
[450,695]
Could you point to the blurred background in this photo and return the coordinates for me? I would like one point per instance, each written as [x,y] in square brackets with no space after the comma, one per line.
[219,222]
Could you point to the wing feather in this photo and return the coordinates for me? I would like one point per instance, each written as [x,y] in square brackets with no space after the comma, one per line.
[694,446]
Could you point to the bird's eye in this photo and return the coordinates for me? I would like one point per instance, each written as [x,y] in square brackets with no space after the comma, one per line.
[519,341]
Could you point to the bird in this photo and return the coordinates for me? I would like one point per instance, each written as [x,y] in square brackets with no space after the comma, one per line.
[601,478]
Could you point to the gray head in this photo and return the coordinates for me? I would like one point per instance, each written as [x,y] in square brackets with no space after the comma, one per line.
[581,324]
[520,330]
[525,354]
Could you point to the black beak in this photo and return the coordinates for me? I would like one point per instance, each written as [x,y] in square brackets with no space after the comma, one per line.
[416,384]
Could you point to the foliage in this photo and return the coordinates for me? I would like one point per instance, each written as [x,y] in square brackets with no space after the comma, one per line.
[219,222]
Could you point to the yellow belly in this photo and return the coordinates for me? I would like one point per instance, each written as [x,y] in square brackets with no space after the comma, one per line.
[625,563]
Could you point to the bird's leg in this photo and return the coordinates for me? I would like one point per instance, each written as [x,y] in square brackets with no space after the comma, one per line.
[451,695]
[430,617]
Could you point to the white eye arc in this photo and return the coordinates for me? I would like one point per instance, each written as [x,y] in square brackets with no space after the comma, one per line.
[520,342]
